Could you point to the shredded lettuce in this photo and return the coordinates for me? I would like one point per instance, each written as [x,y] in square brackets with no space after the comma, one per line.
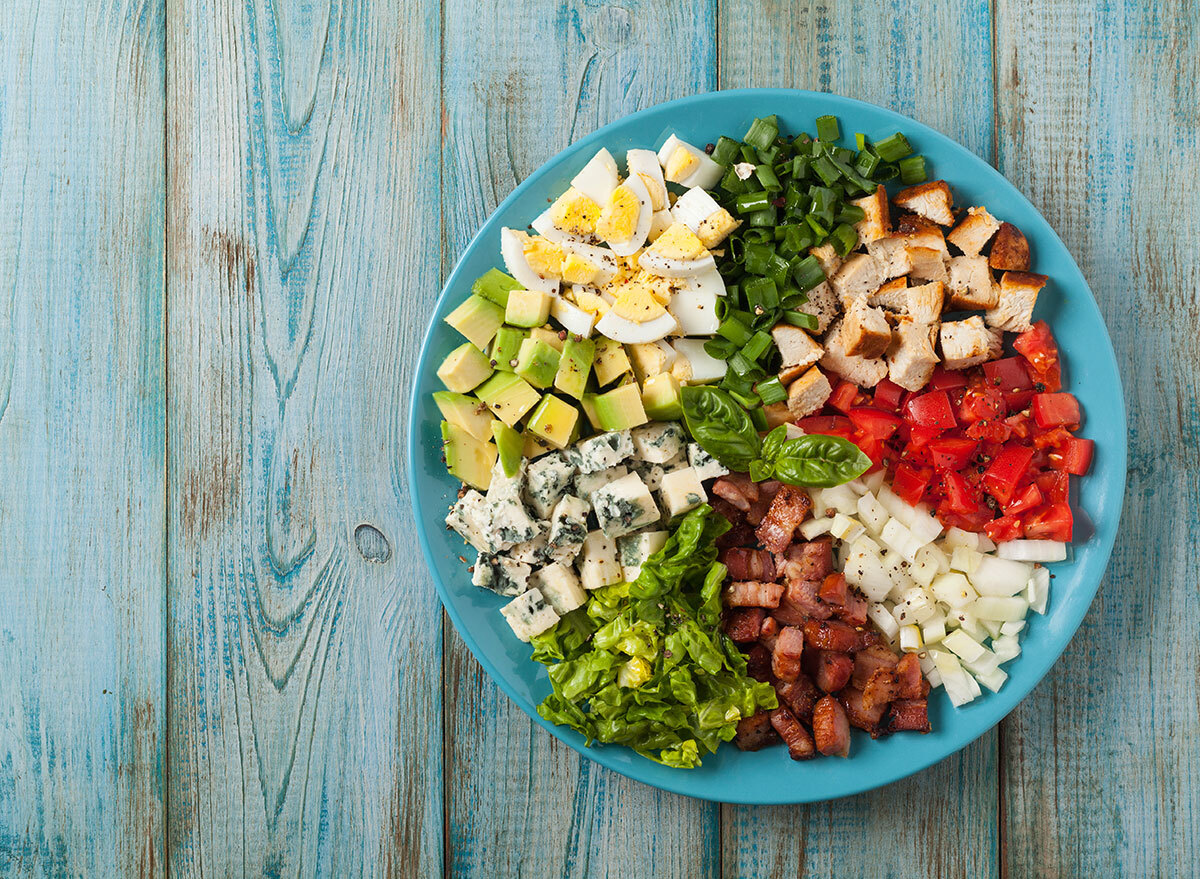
[645,664]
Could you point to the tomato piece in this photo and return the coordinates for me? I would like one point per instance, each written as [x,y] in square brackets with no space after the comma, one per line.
[1050,522]
[1010,376]
[888,395]
[874,423]
[1026,499]
[1020,425]
[1039,349]
[1004,528]
[1054,486]
[931,410]
[976,520]
[919,437]
[1073,456]
[944,379]
[829,425]
[843,396]
[1053,410]
[871,446]
[1054,438]
[961,496]
[981,403]
[1007,470]
[951,453]
[909,483]
[994,430]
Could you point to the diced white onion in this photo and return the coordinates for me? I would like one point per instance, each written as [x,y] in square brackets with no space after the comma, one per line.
[958,684]
[896,506]
[845,528]
[964,645]
[873,481]
[958,537]
[840,498]
[910,639]
[1038,589]
[865,570]
[993,679]
[953,589]
[1000,576]
[871,513]
[882,617]
[896,536]
[1033,550]
[811,529]
[934,629]
[1006,647]
[924,526]
[1012,628]
[1004,610]
[964,559]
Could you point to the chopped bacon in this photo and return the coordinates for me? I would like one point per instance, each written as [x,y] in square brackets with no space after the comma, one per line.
[766,494]
[758,663]
[799,603]
[909,714]
[831,729]
[830,635]
[749,564]
[769,632]
[830,670]
[753,593]
[743,624]
[870,638]
[910,684]
[755,731]
[806,561]
[742,532]
[835,589]
[738,489]
[881,689]
[793,733]
[868,660]
[799,696]
[789,508]
[785,658]
[859,714]
[854,611]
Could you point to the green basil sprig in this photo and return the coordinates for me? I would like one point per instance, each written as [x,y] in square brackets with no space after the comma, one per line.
[723,429]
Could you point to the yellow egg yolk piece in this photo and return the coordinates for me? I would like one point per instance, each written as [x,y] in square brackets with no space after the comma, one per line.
[678,242]
[680,165]
[619,219]
[544,257]
[716,228]
[637,303]
[658,193]
[590,302]
[577,270]
[575,213]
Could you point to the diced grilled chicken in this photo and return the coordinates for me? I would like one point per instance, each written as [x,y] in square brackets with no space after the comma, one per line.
[893,295]
[970,284]
[831,729]
[891,254]
[823,304]
[931,200]
[798,349]
[911,357]
[1017,296]
[808,393]
[858,277]
[926,264]
[925,302]
[799,743]
[753,593]
[876,222]
[828,258]
[785,658]
[1010,250]
[974,232]
[865,372]
[865,331]
[776,414]
[789,508]
[968,342]
[920,232]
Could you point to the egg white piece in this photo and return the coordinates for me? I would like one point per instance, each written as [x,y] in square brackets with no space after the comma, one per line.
[573,318]
[704,367]
[707,174]
[645,163]
[659,223]
[696,312]
[671,267]
[601,257]
[543,224]
[628,332]
[645,215]
[512,248]
[669,354]
[694,207]
[709,281]
[598,178]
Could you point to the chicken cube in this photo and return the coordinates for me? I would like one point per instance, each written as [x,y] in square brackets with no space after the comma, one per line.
[925,302]
[968,342]
[797,347]
[891,254]
[1014,307]
[808,393]
[876,224]
[828,258]
[911,357]
[926,264]
[970,283]
[974,232]
[822,304]
[931,200]
[893,295]
[865,330]
[1010,250]
[920,232]
[859,276]
[865,372]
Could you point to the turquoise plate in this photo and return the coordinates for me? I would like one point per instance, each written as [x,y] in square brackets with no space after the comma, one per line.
[768,776]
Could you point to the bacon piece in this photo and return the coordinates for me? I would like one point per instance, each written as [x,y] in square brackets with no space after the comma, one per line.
[799,603]
[831,729]
[755,731]
[835,589]
[799,696]
[785,658]
[748,564]
[910,684]
[806,561]
[758,663]
[742,624]
[870,638]
[830,635]
[753,593]
[881,689]
[831,671]
[909,714]
[794,735]
[769,632]
[738,489]
[868,661]
[788,509]
[859,714]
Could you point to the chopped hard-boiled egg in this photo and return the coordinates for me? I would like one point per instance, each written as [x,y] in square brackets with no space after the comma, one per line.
[598,178]
[696,311]
[700,212]
[572,217]
[620,329]
[677,253]
[599,263]
[688,166]
[645,164]
[694,365]
[659,223]
[637,303]
[535,262]
[589,299]
[573,318]
[625,218]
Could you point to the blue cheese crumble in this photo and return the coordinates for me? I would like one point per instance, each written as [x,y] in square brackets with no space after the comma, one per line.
[602,452]
[529,614]
[706,466]
[659,442]
[500,574]
[546,481]
[568,529]
[624,506]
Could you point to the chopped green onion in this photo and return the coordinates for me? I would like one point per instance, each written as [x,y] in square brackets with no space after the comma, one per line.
[894,148]
[758,258]
[767,217]
[757,416]
[771,391]
[740,364]
[719,348]
[767,178]
[752,202]
[828,129]
[734,330]
[851,213]
[808,273]
[725,151]
[866,162]
[749,155]
[843,239]
[801,319]
[762,293]
[733,184]
[826,170]
[860,140]
[768,156]
[759,344]
[813,221]
[762,132]
[912,170]
[796,238]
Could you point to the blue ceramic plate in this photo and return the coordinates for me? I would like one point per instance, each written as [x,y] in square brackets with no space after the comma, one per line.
[768,776]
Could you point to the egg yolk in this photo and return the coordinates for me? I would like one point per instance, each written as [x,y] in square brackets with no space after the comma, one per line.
[589,301]
[544,257]
[575,213]
[577,270]
[716,228]
[618,220]
[637,303]
[680,165]
[678,242]
[658,193]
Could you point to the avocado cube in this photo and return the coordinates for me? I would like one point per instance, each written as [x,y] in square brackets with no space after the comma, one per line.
[464,368]
[551,337]
[477,319]
[554,421]
[621,408]
[495,285]
[510,446]
[588,404]
[506,346]
[467,458]
[508,396]
[611,361]
[527,308]
[537,363]
[534,446]
[575,366]
[467,412]
[661,397]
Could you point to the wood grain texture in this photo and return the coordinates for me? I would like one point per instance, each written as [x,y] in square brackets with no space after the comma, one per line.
[305,671]
[519,802]
[81,439]
[1100,762]
[942,822]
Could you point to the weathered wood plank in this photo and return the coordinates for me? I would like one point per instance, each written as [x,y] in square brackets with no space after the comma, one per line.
[942,822]
[305,660]
[1100,762]
[519,802]
[81,439]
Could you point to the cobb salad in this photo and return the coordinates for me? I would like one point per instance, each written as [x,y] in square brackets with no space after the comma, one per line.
[754,449]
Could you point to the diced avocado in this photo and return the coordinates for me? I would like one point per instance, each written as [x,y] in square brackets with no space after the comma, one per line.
[494,285]
[464,368]
[537,363]
[467,412]
[527,308]
[621,408]
[554,421]
[477,319]
[466,457]
[575,366]
[661,397]
[510,445]
[508,396]
[648,359]
[534,446]
[588,404]
[505,347]
[611,361]
[549,336]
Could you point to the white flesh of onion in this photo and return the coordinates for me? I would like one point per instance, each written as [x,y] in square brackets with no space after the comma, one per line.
[1033,551]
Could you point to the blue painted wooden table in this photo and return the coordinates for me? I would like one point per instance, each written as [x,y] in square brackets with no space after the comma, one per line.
[222,227]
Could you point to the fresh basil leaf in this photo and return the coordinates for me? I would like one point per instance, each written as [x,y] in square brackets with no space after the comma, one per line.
[773,444]
[761,471]
[820,461]
[720,426]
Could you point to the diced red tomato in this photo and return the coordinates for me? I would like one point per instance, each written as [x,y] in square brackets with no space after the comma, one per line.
[976,520]
[1053,438]
[1053,410]
[843,396]
[931,410]
[944,379]
[951,453]
[910,483]
[919,437]
[830,425]
[1055,487]
[1020,425]
[1004,528]
[1011,377]
[1074,456]
[888,395]
[1026,499]
[1051,522]
[1007,471]
[981,403]
[874,423]
[1039,349]
[994,430]
[961,497]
